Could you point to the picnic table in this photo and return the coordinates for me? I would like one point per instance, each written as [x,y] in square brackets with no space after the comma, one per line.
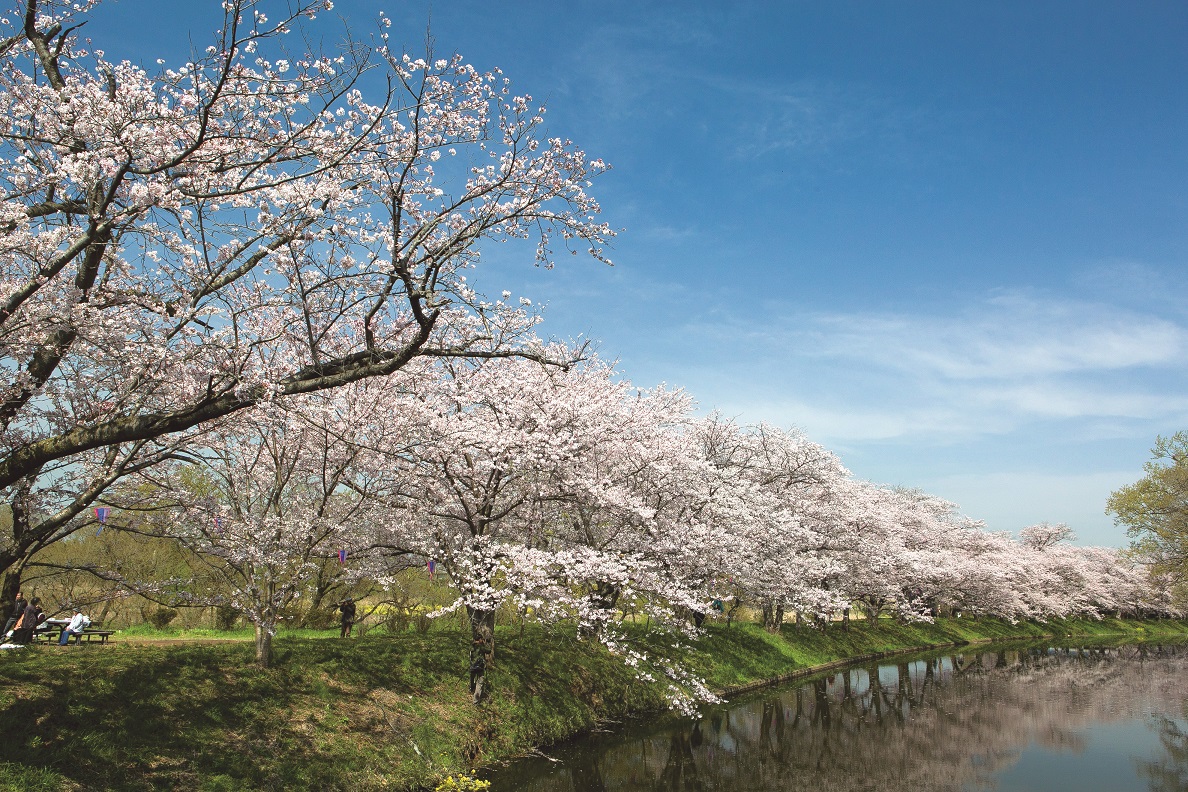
[50,630]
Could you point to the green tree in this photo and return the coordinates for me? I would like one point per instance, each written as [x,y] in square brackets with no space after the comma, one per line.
[1154,509]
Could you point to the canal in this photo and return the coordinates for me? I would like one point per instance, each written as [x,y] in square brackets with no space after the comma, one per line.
[1004,718]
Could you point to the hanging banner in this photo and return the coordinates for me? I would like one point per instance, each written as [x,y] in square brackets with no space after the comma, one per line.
[101,513]
[342,556]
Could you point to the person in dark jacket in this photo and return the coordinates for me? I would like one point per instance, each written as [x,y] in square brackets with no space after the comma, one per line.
[18,610]
[348,616]
[30,619]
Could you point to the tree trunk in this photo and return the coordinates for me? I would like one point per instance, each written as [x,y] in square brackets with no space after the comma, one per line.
[773,615]
[604,597]
[735,604]
[873,608]
[482,649]
[13,558]
[263,646]
[12,584]
[314,614]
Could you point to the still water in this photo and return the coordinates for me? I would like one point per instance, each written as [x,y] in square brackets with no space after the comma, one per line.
[1007,719]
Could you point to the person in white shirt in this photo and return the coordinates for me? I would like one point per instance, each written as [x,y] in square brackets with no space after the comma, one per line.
[77,624]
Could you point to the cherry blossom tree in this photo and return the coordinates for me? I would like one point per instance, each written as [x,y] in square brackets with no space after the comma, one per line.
[182,244]
[264,502]
[1043,536]
[907,539]
[776,498]
[988,575]
[530,485]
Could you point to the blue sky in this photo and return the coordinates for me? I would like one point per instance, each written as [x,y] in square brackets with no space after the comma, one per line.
[947,240]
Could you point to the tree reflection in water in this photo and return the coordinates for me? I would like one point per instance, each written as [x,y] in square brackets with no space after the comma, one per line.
[1169,772]
[944,722]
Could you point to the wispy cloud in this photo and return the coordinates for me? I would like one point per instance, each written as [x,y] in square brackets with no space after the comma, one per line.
[1004,338]
[809,115]
[983,368]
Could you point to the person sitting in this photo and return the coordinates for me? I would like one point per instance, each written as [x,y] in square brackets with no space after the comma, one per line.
[18,610]
[78,623]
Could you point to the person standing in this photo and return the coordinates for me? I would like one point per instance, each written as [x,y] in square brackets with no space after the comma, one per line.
[22,633]
[18,610]
[348,616]
[78,623]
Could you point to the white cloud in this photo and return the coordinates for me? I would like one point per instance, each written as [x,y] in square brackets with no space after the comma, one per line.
[1004,338]
[988,367]
[1060,400]
[850,423]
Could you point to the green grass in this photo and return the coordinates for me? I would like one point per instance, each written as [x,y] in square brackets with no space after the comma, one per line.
[381,712]
[148,631]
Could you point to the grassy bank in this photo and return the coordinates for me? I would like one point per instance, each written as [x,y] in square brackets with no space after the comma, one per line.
[379,712]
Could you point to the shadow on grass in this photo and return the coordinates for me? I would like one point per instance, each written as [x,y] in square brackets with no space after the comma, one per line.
[137,717]
[374,713]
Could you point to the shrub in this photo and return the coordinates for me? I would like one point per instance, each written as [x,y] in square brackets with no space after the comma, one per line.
[161,617]
[225,617]
[396,620]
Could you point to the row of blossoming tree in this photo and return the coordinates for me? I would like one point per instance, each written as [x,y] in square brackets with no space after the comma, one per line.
[573,497]
[234,307]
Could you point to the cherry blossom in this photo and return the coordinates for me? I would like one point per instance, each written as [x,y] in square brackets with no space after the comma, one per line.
[181,244]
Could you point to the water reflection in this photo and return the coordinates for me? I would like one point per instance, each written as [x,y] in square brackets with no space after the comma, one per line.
[1111,718]
[1169,771]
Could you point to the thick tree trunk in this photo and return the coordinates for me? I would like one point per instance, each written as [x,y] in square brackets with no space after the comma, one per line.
[482,649]
[773,615]
[13,558]
[263,646]
[11,584]
[873,609]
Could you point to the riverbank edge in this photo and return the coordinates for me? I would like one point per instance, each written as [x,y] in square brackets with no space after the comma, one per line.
[393,712]
[802,673]
[970,632]
[846,645]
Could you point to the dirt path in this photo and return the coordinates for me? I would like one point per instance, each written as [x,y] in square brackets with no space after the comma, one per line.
[132,639]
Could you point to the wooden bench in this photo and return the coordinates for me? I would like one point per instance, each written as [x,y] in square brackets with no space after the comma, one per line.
[101,635]
[48,633]
[54,634]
